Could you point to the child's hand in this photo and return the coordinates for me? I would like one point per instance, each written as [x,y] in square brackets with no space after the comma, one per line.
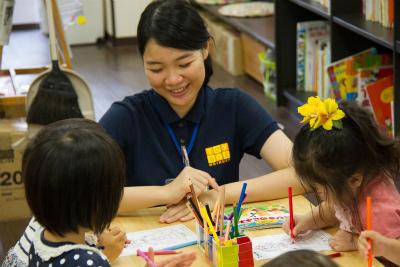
[299,225]
[343,241]
[182,260]
[378,243]
[113,241]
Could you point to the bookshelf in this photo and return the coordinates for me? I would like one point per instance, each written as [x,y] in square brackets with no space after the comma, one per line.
[350,33]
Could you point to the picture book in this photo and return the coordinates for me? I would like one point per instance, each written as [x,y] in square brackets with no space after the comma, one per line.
[255,217]
[170,237]
[380,95]
[343,73]
[366,76]
[309,35]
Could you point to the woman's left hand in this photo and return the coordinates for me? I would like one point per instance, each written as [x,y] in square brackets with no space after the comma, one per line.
[177,212]
[182,213]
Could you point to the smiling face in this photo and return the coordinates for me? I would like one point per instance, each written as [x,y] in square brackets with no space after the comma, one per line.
[175,74]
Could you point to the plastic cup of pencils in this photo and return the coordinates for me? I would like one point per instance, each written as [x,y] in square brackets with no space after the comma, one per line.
[237,252]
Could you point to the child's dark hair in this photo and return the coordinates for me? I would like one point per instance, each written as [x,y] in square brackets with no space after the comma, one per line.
[74,175]
[330,158]
[301,258]
[175,24]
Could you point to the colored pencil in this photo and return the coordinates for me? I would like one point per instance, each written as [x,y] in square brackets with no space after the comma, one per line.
[216,219]
[222,207]
[147,259]
[190,243]
[185,156]
[211,227]
[209,212]
[163,252]
[334,255]
[194,197]
[291,219]
[369,228]
[193,208]
[227,230]
[242,196]
[215,210]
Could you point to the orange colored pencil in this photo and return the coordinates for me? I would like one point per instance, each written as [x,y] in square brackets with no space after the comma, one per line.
[369,228]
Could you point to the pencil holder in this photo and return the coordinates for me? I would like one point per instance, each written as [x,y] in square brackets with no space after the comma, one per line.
[237,252]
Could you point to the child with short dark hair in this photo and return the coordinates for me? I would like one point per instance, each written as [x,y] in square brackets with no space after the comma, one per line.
[301,258]
[343,157]
[74,178]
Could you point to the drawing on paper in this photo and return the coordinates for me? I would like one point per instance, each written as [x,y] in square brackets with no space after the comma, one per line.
[159,238]
[268,247]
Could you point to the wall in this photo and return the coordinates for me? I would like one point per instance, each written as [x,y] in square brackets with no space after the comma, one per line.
[26,12]
[126,15]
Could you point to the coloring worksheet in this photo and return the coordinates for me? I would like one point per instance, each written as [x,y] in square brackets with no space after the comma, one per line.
[169,237]
[268,247]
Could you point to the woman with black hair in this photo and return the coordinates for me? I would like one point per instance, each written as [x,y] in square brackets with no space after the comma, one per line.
[181,111]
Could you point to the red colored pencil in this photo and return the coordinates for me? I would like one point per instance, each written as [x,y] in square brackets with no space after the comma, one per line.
[369,228]
[334,255]
[291,220]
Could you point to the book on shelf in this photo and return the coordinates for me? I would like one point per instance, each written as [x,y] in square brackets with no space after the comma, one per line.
[380,11]
[325,3]
[366,76]
[313,53]
[380,95]
[343,73]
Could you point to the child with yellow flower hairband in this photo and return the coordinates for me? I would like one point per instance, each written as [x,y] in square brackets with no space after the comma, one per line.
[341,155]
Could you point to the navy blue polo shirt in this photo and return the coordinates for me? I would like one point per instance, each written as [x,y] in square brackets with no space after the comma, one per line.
[230,123]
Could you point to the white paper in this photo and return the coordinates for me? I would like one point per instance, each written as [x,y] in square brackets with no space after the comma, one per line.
[159,238]
[268,247]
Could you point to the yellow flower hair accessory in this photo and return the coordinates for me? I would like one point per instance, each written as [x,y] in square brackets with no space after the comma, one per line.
[326,114]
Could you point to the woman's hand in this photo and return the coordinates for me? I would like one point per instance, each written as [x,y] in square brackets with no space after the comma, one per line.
[180,186]
[182,260]
[177,212]
[300,225]
[113,240]
[182,213]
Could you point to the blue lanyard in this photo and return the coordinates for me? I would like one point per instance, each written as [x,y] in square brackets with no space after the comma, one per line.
[175,140]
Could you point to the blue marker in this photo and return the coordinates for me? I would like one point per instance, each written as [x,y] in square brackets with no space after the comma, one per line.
[190,243]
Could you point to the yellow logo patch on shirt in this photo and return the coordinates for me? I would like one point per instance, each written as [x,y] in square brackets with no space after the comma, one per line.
[218,154]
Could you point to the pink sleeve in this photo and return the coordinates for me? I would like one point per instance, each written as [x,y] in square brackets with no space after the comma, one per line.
[385,218]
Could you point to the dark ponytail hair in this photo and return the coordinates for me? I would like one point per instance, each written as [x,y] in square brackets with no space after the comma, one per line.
[330,158]
[176,24]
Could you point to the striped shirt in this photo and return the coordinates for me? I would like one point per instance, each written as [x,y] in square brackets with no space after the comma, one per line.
[18,256]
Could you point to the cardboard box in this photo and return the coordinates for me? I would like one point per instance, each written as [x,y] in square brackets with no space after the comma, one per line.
[12,107]
[226,48]
[12,195]
[12,104]
[251,49]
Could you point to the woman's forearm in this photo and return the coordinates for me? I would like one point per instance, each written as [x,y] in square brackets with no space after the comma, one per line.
[267,187]
[139,197]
